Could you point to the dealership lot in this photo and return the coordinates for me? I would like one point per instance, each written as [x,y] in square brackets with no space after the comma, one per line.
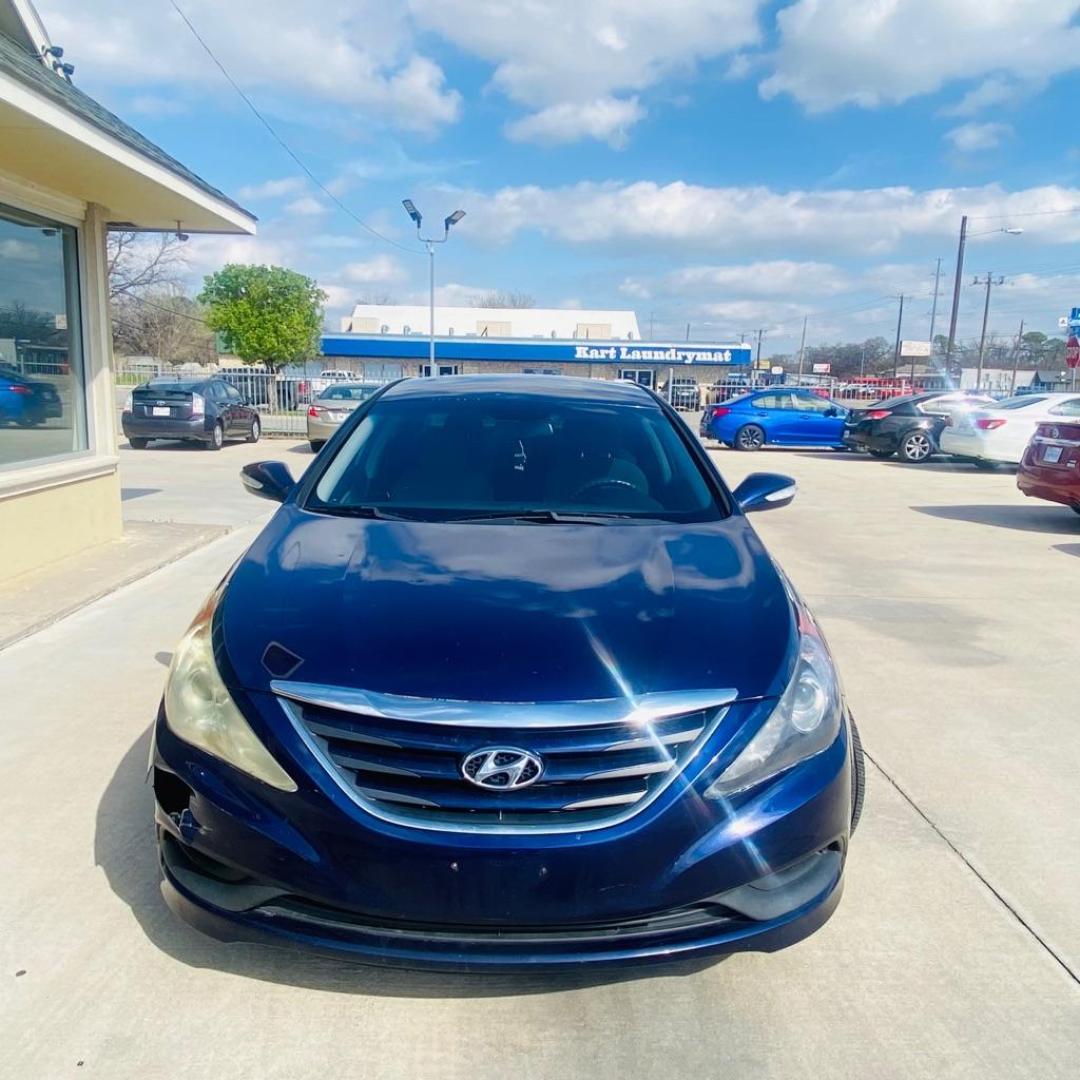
[948,600]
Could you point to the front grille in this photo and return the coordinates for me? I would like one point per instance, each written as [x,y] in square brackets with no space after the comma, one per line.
[580,765]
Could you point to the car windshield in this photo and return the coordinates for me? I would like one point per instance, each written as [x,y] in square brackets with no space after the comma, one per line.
[347,393]
[496,455]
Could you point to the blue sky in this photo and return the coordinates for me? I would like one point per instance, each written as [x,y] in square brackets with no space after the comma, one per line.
[731,164]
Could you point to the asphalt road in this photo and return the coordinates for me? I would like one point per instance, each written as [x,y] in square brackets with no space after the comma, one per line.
[949,601]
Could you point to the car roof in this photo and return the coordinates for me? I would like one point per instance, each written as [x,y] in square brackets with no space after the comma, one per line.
[564,387]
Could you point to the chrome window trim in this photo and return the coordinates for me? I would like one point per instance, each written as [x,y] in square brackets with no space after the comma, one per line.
[643,710]
[1045,440]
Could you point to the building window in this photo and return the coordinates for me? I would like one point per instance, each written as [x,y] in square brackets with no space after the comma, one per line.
[642,376]
[444,369]
[42,404]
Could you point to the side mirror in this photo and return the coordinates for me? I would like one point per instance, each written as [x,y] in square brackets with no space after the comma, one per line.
[764,491]
[268,480]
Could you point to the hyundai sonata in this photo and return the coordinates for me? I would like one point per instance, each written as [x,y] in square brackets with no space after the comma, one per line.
[508,681]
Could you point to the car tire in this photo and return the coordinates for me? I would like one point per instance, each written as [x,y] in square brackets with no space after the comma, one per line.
[256,431]
[749,437]
[916,447]
[138,444]
[316,445]
[881,453]
[858,776]
[217,438]
[986,466]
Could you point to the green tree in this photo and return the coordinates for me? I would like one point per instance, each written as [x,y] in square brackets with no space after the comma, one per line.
[267,314]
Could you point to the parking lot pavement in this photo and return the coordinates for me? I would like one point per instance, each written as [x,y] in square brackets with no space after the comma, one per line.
[945,596]
[182,482]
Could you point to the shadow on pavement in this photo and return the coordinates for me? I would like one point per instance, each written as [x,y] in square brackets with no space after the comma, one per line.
[1068,549]
[1024,518]
[124,849]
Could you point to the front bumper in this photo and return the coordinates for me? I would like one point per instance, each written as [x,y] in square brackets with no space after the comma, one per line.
[685,877]
[974,447]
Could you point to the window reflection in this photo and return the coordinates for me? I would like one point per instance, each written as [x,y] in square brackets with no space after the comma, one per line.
[42,411]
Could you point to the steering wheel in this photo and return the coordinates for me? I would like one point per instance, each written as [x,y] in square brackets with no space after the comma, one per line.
[605,481]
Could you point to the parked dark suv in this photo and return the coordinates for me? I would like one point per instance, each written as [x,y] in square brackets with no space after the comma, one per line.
[208,411]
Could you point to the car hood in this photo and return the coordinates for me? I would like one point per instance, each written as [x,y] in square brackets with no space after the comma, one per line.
[501,612]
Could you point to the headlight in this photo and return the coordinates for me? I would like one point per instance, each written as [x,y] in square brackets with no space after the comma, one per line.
[200,710]
[805,722]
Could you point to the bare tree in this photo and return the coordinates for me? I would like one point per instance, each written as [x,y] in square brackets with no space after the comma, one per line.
[139,262]
[379,299]
[167,325]
[501,298]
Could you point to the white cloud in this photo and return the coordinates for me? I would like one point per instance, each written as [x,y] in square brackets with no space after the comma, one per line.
[157,105]
[971,138]
[574,55]
[273,189]
[686,217]
[839,52]
[780,277]
[606,119]
[360,54]
[378,270]
[306,206]
[990,92]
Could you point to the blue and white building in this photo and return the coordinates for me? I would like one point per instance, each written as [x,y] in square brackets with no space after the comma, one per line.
[378,341]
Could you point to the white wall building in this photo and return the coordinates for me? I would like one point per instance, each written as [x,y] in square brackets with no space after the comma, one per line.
[560,323]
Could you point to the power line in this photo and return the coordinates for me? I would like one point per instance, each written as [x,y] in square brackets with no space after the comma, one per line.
[282,143]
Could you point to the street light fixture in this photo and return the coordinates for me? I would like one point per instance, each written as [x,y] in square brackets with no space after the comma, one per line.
[429,243]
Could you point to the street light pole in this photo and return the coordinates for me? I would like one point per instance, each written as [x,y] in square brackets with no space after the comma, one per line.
[896,351]
[429,243]
[802,347]
[956,291]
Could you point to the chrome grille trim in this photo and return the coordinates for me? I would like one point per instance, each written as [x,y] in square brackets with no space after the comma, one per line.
[504,714]
[420,794]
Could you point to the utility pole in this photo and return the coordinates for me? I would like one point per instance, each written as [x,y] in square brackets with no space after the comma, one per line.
[933,310]
[896,351]
[651,337]
[687,331]
[802,346]
[1016,357]
[757,361]
[989,283]
[956,291]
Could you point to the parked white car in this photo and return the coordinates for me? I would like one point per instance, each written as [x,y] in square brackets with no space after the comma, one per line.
[998,434]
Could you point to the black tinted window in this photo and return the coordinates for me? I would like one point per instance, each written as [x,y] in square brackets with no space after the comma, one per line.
[444,457]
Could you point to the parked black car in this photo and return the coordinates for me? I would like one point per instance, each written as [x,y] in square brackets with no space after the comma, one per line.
[907,426]
[208,411]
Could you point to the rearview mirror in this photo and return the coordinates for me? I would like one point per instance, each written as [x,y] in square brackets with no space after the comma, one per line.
[268,480]
[764,491]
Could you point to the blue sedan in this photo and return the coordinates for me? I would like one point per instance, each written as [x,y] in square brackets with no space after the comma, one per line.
[434,715]
[776,416]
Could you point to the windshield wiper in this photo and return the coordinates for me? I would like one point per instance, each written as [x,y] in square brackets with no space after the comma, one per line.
[543,517]
[361,512]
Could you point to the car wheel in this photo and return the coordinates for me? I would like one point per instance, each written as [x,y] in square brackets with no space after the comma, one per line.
[749,437]
[986,466]
[882,453]
[317,445]
[858,776]
[217,438]
[138,444]
[256,431]
[916,447]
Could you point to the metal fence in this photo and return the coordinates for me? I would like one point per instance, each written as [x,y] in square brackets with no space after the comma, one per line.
[282,397]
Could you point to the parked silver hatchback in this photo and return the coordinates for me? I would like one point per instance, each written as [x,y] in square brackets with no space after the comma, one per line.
[332,408]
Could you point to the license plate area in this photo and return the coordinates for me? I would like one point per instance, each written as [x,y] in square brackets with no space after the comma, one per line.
[1051,455]
[160,410]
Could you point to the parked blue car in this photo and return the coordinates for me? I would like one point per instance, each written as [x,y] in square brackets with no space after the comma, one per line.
[508,681]
[776,416]
[26,402]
